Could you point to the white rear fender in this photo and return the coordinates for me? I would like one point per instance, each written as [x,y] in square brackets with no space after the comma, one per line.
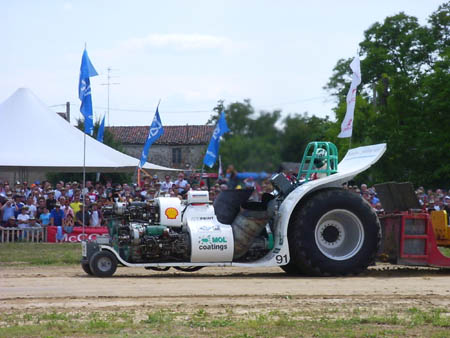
[355,161]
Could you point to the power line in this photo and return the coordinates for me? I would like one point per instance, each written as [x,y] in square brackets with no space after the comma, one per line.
[153,110]
[136,110]
[193,111]
[297,101]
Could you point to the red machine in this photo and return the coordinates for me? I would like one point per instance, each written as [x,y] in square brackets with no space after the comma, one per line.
[408,237]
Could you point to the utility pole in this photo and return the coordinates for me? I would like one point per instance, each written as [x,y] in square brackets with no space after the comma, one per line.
[109,84]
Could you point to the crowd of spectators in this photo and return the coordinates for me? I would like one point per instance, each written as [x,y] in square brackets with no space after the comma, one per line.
[369,194]
[431,200]
[434,200]
[41,204]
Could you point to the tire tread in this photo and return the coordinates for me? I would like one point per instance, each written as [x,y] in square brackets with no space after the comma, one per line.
[300,250]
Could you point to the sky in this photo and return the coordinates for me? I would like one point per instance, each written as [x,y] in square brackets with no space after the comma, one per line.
[188,54]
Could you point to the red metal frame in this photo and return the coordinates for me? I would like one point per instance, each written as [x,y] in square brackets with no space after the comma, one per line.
[432,256]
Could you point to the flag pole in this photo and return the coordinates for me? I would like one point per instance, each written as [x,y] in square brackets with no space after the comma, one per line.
[139,177]
[84,164]
[84,180]
[87,70]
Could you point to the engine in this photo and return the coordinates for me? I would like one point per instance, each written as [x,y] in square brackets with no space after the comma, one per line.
[170,230]
[144,243]
[139,237]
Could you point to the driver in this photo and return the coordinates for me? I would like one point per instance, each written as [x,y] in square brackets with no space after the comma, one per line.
[320,163]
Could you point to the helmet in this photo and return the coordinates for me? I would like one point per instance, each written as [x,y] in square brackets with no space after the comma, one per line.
[320,157]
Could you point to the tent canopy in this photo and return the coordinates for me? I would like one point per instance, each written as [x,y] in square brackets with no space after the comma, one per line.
[35,137]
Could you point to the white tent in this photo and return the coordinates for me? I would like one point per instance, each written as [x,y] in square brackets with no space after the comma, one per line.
[34,137]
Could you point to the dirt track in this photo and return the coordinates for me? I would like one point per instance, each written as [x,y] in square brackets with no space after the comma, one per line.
[46,288]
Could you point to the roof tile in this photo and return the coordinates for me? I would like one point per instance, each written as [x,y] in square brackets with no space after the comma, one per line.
[173,135]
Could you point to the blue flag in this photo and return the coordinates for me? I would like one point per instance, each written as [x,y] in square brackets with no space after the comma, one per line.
[213,148]
[84,92]
[155,132]
[101,130]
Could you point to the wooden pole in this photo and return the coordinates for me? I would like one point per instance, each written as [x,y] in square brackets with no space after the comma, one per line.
[139,177]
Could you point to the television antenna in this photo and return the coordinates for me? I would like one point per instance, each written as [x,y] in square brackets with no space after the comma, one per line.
[109,84]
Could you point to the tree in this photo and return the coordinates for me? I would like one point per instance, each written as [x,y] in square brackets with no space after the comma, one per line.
[253,141]
[403,99]
[298,131]
[260,141]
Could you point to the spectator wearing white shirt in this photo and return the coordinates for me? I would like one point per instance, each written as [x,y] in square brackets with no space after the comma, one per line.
[32,209]
[69,191]
[181,184]
[2,189]
[166,185]
[96,216]
[23,217]
[57,191]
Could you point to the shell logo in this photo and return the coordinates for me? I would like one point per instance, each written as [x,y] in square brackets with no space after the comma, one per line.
[171,213]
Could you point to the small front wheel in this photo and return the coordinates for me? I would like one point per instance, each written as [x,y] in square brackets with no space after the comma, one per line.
[188,268]
[86,268]
[103,264]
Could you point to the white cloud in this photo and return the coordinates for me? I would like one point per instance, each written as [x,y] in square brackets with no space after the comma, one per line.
[67,6]
[179,42]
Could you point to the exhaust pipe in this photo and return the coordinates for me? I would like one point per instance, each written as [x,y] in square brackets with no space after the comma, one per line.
[247,226]
[247,219]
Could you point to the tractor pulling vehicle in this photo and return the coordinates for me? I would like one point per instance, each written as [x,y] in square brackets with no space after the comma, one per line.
[310,226]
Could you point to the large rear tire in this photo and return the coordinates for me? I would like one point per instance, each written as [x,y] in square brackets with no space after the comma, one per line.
[103,264]
[291,269]
[335,232]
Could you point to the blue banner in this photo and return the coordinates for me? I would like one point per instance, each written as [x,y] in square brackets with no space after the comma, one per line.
[155,132]
[87,70]
[213,148]
[101,130]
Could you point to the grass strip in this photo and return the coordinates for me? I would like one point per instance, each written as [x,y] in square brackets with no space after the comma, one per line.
[432,322]
[17,254]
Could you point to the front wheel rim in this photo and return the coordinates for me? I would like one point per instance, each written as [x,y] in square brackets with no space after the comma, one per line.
[339,234]
[104,264]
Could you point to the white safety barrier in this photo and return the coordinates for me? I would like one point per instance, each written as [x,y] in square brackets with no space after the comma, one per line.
[32,235]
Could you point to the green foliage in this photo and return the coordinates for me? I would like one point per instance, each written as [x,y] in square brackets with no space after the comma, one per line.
[253,141]
[402,101]
[261,141]
[298,131]
[404,97]
[109,140]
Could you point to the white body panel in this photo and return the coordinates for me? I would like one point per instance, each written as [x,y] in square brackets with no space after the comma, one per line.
[159,265]
[171,210]
[194,196]
[211,241]
[203,211]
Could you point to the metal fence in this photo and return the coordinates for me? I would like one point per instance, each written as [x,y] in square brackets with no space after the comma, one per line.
[31,235]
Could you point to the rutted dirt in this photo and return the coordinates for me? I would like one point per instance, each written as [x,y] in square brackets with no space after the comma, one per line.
[243,290]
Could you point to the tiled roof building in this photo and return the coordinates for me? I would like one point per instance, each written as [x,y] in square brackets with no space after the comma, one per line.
[173,135]
[179,146]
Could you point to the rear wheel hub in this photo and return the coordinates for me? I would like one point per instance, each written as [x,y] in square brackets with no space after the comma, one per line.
[339,234]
